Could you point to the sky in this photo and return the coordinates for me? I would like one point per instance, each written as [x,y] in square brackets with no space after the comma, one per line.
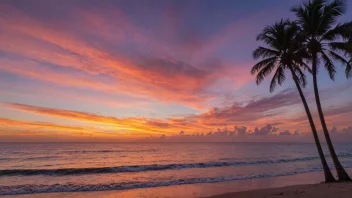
[158,70]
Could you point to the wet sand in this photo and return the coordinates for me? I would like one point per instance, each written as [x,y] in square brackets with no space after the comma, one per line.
[302,186]
[338,190]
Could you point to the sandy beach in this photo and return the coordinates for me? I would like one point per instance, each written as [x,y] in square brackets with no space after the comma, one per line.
[338,190]
[303,185]
[341,190]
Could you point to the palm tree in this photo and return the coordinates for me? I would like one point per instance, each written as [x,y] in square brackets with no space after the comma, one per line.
[324,43]
[283,52]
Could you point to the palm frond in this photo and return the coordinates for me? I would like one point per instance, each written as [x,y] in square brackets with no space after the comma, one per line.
[300,76]
[257,67]
[343,31]
[300,63]
[344,47]
[331,12]
[279,77]
[265,71]
[349,68]
[268,39]
[338,57]
[264,52]
[329,66]
[273,83]
[313,15]
[302,52]
[336,8]
[301,13]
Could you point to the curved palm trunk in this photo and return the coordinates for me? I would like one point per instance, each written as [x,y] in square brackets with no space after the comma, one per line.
[341,173]
[328,175]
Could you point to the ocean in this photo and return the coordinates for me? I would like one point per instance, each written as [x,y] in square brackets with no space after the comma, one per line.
[29,168]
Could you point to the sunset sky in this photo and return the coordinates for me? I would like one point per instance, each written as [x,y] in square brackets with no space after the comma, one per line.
[86,70]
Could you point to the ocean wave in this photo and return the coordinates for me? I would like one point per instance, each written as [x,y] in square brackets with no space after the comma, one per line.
[28,159]
[32,189]
[38,158]
[91,151]
[108,151]
[142,168]
[340,155]
[5,159]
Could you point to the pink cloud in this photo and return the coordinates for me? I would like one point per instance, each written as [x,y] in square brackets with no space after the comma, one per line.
[165,79]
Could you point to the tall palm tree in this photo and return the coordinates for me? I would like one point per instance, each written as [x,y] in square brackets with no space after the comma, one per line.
[325,41]
[283,52]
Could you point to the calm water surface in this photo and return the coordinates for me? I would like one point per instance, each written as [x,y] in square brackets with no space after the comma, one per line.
[75,167]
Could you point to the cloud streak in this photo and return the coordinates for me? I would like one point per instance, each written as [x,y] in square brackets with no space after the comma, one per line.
[38,125]
[245,117]
[250,113]
[164,79]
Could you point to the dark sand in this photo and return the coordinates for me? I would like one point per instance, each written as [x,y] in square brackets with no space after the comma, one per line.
[335,190]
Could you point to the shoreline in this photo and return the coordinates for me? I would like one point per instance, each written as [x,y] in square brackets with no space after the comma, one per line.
[322,190]
[307,185]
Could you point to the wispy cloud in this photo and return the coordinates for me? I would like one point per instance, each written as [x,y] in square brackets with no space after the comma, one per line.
[249,113]
[145,75]
[238,119]
[38,125]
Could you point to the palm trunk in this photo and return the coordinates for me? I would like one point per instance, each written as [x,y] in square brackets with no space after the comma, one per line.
[341,173]
[328,175]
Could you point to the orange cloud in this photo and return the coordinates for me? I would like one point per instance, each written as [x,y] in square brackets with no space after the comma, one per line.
[127,124]
[157,77]
[18,128]
[263,111]
[257,112]
[45,125]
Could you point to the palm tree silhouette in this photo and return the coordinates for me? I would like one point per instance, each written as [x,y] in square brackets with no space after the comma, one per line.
[284,51]
[324,43]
